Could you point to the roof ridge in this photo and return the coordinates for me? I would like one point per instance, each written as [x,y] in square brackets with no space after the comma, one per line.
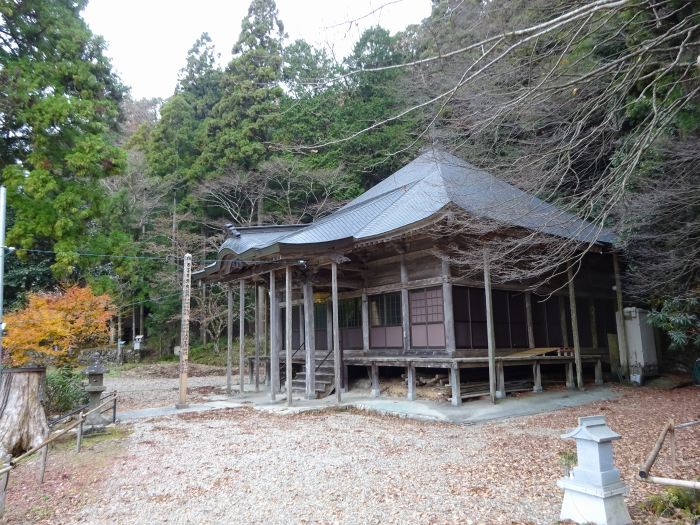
[271,226]
[350,207]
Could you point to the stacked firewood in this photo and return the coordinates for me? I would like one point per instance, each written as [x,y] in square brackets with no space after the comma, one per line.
[481,388]
[426,380]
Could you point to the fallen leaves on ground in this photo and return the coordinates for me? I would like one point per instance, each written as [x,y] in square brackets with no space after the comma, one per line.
[351,466]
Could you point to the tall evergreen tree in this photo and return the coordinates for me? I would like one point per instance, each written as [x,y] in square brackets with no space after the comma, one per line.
[200,79]
[58,107]
[243,120]
[373,97]
[177,140]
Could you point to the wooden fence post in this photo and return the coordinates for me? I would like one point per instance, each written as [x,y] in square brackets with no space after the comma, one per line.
[4,479]
[42,468]
[79,437]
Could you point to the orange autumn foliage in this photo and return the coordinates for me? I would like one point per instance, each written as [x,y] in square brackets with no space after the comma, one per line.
[54,326]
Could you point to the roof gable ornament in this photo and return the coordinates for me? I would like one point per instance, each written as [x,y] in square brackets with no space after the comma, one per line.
[339,258]
[231,231]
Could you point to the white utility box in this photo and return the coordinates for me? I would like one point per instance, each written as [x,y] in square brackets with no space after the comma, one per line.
[641,344]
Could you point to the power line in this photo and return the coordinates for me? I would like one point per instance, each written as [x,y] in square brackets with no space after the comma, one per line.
[105,255]
[138,257]
[154,299]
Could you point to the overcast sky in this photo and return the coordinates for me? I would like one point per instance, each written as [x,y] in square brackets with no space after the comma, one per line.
[148,40]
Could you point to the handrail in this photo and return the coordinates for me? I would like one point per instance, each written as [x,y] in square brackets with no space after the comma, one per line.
[323,360]
[68,415]
[79,421]
[300,347]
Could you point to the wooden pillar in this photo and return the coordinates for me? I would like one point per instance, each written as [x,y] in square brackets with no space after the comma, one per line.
[133,324]
[501,383]
[288,331]
[405,319]
[456,384]
[490,328]
[279,330]
[229,337]
[537,377]
[337,364]
[112,331]
[599,372]
[563,323]
[203,322]
[329,326]
[264,352]
[594,325]
[309,341]
[574,328]
[141,316]
[447,308]
[241,333]
[570,376]
[301,323]
[530,322]
[621,330]
[375,380]
[120,351]
[411,382]
[365,321]
[258,328]
[274,348]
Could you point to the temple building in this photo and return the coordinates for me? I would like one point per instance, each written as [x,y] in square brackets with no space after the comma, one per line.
[366,287]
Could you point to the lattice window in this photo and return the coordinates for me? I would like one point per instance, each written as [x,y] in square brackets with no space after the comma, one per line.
[320,316]
[426,306]
[350,311]
[427,318]
[385,309]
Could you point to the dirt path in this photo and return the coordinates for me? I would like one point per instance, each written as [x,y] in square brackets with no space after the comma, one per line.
[347,467]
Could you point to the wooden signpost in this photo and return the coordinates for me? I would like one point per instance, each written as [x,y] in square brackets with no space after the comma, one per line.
[185,329]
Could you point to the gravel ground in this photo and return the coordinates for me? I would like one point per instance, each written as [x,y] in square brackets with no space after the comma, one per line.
[348,467]
[157,385]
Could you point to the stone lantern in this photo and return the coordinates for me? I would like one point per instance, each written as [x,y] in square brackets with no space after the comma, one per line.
[594,493]
[95,386]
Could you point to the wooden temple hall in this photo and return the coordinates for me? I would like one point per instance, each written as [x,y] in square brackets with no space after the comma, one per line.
[364,291]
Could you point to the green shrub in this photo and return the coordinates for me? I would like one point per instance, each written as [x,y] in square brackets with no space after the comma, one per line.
[568,459]
[207,355]
[64,390]
[673,500]
[168,358]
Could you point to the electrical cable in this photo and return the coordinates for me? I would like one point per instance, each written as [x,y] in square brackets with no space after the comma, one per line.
[138,257]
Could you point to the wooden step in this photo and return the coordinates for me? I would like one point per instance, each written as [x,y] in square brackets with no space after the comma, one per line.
[318,373]
[300,386]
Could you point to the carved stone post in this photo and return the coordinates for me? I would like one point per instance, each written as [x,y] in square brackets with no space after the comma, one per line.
[95,386]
